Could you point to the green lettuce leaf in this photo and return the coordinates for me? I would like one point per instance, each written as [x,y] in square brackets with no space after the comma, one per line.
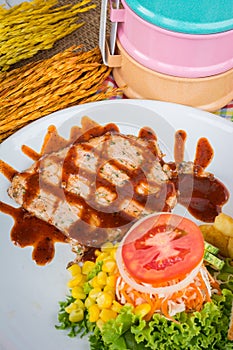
[195,331]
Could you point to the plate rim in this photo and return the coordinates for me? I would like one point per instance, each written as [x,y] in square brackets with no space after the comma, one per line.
[208,116]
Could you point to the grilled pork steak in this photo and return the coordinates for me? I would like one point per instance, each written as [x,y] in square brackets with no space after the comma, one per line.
[94,189]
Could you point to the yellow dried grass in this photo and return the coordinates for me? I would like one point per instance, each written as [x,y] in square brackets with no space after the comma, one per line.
[32,26]
[69,78]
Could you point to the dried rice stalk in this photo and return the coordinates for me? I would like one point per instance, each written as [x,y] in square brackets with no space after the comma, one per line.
[69,78]
[30,27]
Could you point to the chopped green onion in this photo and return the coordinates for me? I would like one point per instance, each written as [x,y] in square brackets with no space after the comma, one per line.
[211,248]
[215,262]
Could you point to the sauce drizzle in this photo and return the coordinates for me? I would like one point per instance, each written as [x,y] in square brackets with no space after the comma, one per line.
[203,196]
[179,146]
[31,231]
[204,153]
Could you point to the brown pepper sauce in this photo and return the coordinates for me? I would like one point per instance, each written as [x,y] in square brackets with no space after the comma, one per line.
[31,231]
[202,196]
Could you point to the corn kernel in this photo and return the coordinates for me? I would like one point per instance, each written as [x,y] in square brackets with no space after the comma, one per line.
[97,252]
[74,281]
[94,282]
[102,257]
[78,293]
[107,315]
[88,302]
[79,303]
[109,290]
[142,309]
[83,280]
[94,312]
[109,265]
[104,300]
[87,267]
[78,288]
[100,323]
[116,306]
[111,281]
[113,253]
[116,245]
[76,315]
[102,278]
[106,247]
[71,307]
[74,269]
[95,292]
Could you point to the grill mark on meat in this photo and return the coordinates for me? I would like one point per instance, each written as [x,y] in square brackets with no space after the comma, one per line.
[119,164]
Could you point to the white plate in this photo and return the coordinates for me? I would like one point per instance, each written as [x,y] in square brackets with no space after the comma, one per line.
[29,294]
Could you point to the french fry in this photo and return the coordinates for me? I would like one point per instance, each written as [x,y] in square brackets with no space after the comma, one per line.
[220,234]
[215,237]
[224,223]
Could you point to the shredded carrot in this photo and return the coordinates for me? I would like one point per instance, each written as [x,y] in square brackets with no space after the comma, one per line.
[214,283]
[155,305]
[205,290]
[165,311]
[126,295]
[193,297]
[138,294]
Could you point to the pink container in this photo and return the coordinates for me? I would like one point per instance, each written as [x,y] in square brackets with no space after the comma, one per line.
[173,53]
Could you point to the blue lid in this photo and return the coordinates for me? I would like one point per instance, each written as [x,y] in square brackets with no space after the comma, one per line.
[186,16]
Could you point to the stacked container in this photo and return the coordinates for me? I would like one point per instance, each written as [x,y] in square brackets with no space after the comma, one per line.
[171,50]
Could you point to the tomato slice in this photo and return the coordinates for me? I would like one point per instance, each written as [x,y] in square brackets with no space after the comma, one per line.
[162,248]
